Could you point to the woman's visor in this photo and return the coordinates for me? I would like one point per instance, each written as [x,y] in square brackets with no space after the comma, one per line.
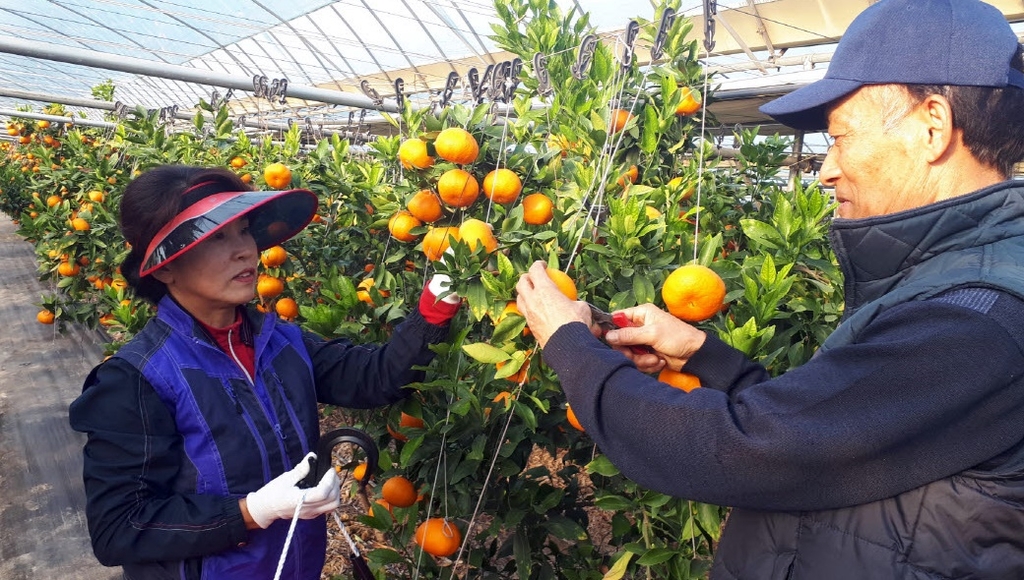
[274,216]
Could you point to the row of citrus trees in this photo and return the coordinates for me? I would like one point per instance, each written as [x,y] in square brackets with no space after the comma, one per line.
[606,178]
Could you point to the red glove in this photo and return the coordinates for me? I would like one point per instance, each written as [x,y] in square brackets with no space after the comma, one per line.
[438,311]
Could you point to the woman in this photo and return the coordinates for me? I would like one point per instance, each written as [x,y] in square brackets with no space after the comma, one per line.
[199,427]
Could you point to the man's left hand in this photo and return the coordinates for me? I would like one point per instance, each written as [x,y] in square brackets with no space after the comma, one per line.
[545,308]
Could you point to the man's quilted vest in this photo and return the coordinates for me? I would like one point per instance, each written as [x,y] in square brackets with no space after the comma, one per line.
[236,435]
[970,525]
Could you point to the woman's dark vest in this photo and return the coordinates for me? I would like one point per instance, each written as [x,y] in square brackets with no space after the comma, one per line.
[236,435]
[970,525]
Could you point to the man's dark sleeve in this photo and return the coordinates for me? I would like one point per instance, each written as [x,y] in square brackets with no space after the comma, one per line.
[929,389]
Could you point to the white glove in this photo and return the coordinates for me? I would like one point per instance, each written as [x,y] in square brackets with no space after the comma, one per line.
[439,284]
[279,498]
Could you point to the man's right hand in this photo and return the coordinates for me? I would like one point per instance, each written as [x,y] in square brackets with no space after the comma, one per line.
[673,340]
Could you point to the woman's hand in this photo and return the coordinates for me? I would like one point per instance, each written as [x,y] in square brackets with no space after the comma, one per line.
[673,340]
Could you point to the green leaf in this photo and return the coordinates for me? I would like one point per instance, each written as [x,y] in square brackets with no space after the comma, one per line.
[601,465]
[656,556]
[564,528]
[485,353]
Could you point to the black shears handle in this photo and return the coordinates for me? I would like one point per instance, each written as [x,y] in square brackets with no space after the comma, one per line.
[319,466]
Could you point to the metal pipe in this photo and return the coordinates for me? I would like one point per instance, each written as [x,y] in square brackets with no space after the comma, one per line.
[56,118]
[140,66]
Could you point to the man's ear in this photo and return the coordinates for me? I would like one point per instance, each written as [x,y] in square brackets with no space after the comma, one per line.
[938,116]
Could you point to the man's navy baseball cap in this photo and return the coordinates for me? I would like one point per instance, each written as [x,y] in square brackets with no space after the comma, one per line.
[927,42]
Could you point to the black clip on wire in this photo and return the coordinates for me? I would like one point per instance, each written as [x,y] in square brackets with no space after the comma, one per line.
[319,466]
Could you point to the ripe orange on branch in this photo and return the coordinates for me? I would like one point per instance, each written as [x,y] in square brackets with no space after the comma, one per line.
[693,293]
[401,225]
[565,284]
[538,209]
[457,145]
[458,188]
[570,416]
[287,308]
[413,154]
[438,537]
[277,175]
[618,120]
[477,232]
[363,291]
[406,421]
[425,206]
[436,241]
[269,287]
[45,317]
[502,185]
[273,257]
[690,103]
[398,491]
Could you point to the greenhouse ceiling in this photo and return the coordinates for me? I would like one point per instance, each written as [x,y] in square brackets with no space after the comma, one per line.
[342,58]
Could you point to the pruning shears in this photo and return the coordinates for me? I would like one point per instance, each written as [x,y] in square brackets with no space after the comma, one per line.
[606,322]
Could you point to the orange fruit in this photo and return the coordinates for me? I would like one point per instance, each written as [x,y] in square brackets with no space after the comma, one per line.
[269,287]
[458,188]
[438,537]
[477,232]
[457,145]
[520,376]
[538,209]
[80,225]
[246,178]
[503,397]
[693,293]
[425,206]
[511,308]
[502,185]
[629,176]
[287,308]
[96,196]
[570,416]
[618,120]
[52,200]
[675,186]
[68,269]
[383,504]
[398,491]
[45,317]
[43,124]
[406,421]
[413,154]
[363,291]
[679,379]
[436,241]
[689,104]
[277,175]
[273,257]
[401,224]
[564,283]
[237,162]
[359,471]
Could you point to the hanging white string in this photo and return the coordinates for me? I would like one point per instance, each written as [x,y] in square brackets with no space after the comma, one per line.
[288,538]
[700,158]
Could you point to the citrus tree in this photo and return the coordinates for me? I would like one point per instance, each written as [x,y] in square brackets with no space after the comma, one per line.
[602,170]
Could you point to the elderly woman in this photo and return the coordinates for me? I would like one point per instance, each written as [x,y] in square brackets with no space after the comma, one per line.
[199,427]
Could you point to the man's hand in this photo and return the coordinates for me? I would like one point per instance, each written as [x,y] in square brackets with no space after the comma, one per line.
[673,340]
[545,308]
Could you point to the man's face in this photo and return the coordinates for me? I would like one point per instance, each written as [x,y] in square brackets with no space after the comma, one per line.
[876,164]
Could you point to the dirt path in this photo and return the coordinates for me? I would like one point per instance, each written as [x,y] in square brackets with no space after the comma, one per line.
[42,524]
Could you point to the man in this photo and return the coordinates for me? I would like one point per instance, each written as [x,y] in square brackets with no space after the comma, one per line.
[898,451]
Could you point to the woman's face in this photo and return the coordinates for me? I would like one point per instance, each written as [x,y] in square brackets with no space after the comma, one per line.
[216,276]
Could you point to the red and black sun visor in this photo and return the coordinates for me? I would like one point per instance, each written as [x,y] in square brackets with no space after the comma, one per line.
[274,216]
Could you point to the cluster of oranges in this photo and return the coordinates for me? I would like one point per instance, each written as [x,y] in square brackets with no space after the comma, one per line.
[458,188]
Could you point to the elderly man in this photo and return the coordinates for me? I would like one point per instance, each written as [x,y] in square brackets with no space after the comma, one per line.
[897,452]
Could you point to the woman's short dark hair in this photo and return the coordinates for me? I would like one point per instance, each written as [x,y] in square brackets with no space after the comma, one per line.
[992,119]
[152,200]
